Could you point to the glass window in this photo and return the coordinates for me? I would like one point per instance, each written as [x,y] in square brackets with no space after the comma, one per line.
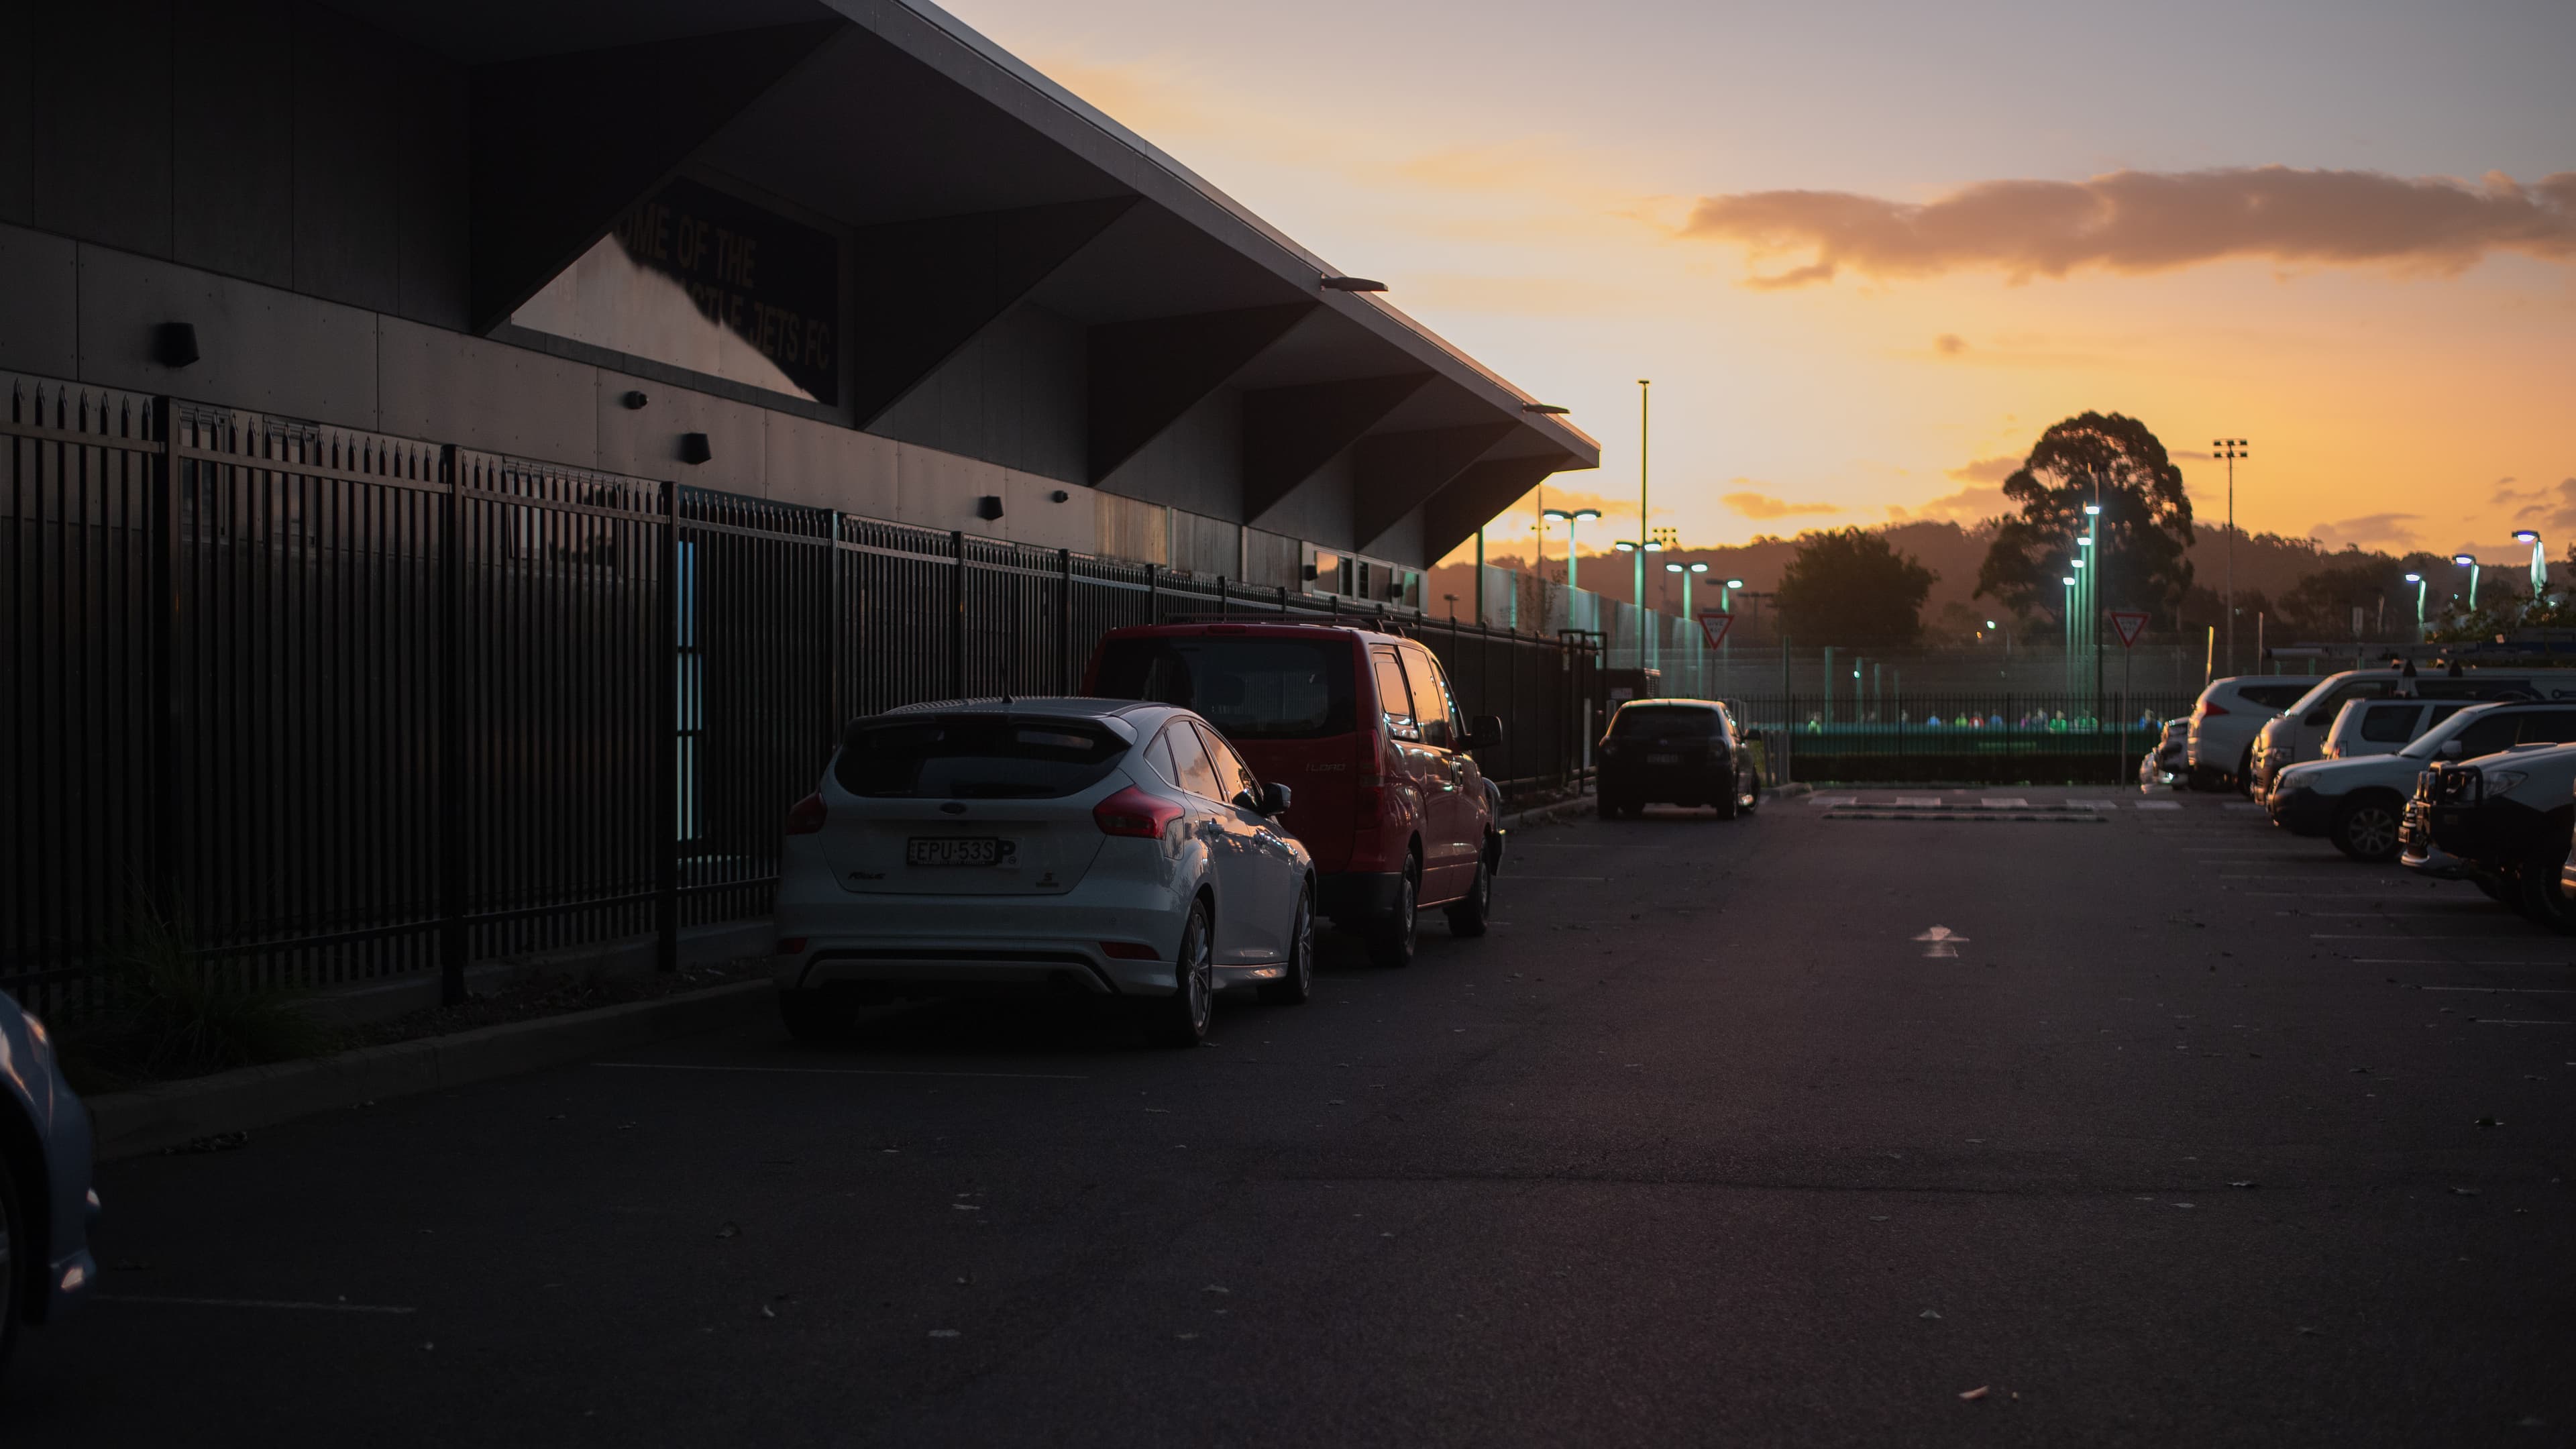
[1430,696]
[1249,688]
[2487,735]
[1197,775]
[976,757]
[2547,726]
[2390,723]
[1159,755]
[1664,722]
[1231,772]
[2274,696]
[1393,697]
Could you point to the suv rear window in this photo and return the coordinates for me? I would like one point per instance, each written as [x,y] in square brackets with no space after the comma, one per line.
[1664,722]
[1249,688]
[976,757]
[2390,723]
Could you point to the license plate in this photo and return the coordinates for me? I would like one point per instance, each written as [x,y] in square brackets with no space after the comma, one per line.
[1663,759]
[956,850]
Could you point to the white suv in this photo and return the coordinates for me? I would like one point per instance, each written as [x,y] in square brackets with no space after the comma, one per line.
[1080,848]
[2360,804]
[2299,733]
[2223,722]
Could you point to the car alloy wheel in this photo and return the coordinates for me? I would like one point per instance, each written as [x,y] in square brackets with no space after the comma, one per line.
[1299,983]
[2368,831]
[1181,1019]
[1391,943]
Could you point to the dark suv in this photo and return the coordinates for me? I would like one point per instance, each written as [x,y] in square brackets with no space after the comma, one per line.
[1676,751]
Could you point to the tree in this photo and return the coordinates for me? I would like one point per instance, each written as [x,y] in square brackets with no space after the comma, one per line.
[2141,535]
[1850,586]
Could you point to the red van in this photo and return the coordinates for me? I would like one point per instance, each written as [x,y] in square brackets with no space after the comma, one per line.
[1362,728]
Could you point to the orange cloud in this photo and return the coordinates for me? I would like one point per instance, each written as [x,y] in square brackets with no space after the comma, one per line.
[1949,344]
[2147,221]
[1762,505]
[2370,529]
[1986,470]
[1971,504]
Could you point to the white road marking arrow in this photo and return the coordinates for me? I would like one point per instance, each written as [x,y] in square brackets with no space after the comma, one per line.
[1941,942]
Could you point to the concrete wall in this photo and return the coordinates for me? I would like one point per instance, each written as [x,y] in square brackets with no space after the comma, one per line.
[1196,463]
[86,313]
[1319,509]
[256,139]
[1016,395]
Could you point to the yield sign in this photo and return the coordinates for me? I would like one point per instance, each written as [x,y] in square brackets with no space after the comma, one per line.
[1714,625]
[2128,624]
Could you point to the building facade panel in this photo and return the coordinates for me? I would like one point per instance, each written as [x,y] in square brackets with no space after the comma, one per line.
[259,347]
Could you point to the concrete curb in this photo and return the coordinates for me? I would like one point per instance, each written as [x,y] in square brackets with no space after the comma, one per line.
[132,1123]
[1791,791]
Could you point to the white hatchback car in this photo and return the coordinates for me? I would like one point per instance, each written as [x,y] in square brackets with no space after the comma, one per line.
[1091,848]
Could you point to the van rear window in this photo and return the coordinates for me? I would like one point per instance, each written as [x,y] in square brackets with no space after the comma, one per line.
[1664,722]
[1249,688]
[975,757]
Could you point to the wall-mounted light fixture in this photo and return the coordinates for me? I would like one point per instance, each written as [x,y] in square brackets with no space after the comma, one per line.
[1352,284]
[634,400]
[989,507]
[1545,410]
[694,448]
[174,344]
[1059,496]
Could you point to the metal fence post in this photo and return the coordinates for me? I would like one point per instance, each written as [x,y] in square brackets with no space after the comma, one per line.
[957,615]
[164,543]
[833,604]
[455,940]
[666,943]
[1065,667]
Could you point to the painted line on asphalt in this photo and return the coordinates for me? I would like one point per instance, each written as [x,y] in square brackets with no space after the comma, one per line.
[1516,875]
[156,1298]
[2507,990]
[2383,936]
[835,1071]
[2435,961]
[2506,1021]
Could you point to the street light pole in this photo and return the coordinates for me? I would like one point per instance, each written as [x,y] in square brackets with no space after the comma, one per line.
[1645,528]
[2230,449]
[2539,565]
[2418,581]
[2470,562]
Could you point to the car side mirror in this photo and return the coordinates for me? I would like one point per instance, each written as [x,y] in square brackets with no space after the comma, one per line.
[2450,749]
[1275,799]
[1485,732]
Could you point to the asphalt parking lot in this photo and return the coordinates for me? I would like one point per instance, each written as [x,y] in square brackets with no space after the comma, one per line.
[2154,1125]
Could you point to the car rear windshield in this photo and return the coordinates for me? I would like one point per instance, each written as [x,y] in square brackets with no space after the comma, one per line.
[1249,688]
[1664,722]
[976,757]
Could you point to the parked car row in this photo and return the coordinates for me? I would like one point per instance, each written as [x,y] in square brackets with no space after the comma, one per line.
[2462,775]
[1178,830]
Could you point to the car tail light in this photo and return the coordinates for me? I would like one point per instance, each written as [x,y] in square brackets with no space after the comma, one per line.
[1133,812]
[1371,798]
[2208,708]
[1129,951]
[791,945]
[807,816]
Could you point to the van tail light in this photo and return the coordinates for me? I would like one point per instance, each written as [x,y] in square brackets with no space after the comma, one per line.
[1372,798]
[1133,812]
[1129,951]
[2208,709]
[806,816]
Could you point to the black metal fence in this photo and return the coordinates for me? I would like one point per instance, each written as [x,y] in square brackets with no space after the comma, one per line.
[355,706]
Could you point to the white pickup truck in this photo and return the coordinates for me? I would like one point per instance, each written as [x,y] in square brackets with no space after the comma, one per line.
[2360,804]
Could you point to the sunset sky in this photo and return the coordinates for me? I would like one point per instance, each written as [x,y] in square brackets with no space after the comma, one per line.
[1868,251]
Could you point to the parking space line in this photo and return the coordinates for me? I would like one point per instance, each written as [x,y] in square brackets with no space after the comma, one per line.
[2160,805]
[2506,1021]
[2435,961]
[156,1298]
[2507,990]
[2383,936]
[835,1071]
[1516,875]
